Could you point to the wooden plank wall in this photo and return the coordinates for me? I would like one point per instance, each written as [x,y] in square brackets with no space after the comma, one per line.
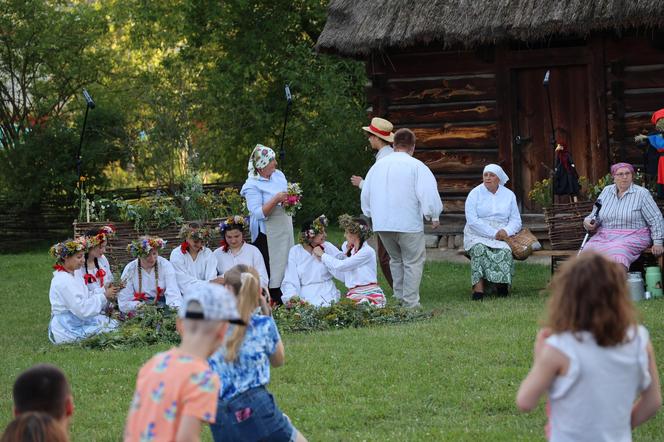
[449,100]
[635,89]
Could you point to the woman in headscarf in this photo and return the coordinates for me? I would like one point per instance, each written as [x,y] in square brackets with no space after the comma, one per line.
[628,222]
[271,228]
[492,215]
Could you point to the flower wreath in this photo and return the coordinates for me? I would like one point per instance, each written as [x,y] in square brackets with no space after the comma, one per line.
[104,234]
[67,248]
[140,248]
[201,233]
[231,223]
[347,223]
[318,225]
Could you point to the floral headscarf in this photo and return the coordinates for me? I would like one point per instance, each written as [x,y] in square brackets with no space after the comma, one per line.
[140,248]
[260,157]
[312,229]
[67,248]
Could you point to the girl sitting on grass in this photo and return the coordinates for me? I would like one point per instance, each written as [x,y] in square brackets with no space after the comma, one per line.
[96,270]
[594,359]
[246,410]
[356,266]
[75,313]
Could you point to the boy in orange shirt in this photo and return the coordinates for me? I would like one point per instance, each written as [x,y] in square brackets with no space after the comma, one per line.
[176,390]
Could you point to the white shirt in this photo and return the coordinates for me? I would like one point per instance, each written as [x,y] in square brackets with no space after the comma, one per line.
[593,400]
[105,266]
[68,293]
[358,269]
[167,281]
[191,274]
[257,192]
[382,153]
[487,213]
[247,255]
[308,278]
[398,191]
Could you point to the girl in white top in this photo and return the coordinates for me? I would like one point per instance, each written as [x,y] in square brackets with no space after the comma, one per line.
[193,262]
[306,276]
[149,278]
[594,360]
[75,312]
[356,265]
[96,270]
[234,250]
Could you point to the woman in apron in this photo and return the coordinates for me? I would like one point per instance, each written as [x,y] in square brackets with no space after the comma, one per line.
[271,228]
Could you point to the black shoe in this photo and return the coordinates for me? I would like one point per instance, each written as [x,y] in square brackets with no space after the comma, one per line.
[501,290]
[478,296]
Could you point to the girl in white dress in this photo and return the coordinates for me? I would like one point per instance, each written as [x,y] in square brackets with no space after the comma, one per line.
[96,270]
[193,262]
[75,312]
[234,250]
[356,266]
[594,359]
[306,276]
[149,278]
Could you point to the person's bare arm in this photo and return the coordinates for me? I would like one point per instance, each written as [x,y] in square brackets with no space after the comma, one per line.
[651,398]
[189,430]
[278,358]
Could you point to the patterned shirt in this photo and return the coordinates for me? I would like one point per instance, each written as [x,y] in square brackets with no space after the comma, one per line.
[635,210]
[171,385]
[252,367]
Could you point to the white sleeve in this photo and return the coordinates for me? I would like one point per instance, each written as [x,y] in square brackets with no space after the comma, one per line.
[126,301]
[290,285]
[103,263]
[361,258]
[331,249]
[78,301]
[173,295]
[514,221]
[427,193]
[473,221]
[254,202]
[259,264]
[365,195]
[210,267]
[185,281]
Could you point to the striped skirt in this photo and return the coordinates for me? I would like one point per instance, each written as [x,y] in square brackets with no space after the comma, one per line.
[620,245]
[370,294]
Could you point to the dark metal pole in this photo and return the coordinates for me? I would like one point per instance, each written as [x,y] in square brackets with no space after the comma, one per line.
[80,146]
[553,133]
[289,100]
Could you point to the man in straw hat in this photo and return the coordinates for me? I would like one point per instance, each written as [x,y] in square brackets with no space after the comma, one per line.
[380,138]
[396,212]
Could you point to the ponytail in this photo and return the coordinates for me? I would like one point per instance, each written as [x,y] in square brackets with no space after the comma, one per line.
[244,281]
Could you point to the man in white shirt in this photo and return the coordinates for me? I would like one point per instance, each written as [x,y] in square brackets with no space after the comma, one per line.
[398,191]
[380,136]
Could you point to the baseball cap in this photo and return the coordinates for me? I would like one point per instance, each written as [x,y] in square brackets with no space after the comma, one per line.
[211,302]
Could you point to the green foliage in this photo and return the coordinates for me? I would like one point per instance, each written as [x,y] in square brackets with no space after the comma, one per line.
[156,211]
[541,193]
[297,315]
[595,189]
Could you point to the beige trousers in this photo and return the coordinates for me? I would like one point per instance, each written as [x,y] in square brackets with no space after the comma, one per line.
[407,255]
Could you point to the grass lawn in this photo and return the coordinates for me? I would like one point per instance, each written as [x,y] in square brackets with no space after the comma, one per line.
[451,378]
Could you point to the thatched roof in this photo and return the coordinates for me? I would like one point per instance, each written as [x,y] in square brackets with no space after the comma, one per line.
[356,27]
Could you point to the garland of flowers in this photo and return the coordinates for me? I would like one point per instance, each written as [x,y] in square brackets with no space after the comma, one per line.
[318,225]
[67,248]
[104,234]
[202,233]
[231,223]
[141,248]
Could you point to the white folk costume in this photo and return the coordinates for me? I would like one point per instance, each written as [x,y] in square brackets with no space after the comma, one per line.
[96,278]
[75,312]
[247,255]
[277,227]
[358,272]
[193,274]
[132,296]
[308,278]
[486,214]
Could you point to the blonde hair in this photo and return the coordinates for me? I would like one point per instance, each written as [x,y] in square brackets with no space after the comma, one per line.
[244,282]
[590,293]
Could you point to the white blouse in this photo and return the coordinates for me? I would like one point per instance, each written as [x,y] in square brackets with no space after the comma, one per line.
[248,255]
[307,277]
[355,270]
[167,281]
[68,293]
[192,274]
[103,265]
[487,213]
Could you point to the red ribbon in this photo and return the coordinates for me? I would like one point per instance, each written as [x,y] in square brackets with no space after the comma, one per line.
[100,274]
[140,296]
[184,247]
[89,278]
[159,292]
[385,133]
[59,268]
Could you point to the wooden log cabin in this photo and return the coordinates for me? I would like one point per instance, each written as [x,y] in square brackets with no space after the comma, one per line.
[467,77]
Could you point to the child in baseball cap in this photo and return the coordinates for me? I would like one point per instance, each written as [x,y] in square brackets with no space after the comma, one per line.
[176,390]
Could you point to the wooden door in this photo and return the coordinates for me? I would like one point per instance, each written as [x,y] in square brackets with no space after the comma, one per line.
[532,150]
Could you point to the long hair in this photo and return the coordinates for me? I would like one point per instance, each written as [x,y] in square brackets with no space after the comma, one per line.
[89,233]
[34,426]
[590,293]
[244,281]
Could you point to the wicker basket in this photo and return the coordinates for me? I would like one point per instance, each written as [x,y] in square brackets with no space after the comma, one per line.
[565,223]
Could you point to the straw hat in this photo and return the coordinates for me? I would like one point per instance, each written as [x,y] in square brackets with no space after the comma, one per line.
[381,128]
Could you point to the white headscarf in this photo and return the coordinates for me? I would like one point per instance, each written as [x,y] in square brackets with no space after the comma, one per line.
[498,171]
[259,158]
